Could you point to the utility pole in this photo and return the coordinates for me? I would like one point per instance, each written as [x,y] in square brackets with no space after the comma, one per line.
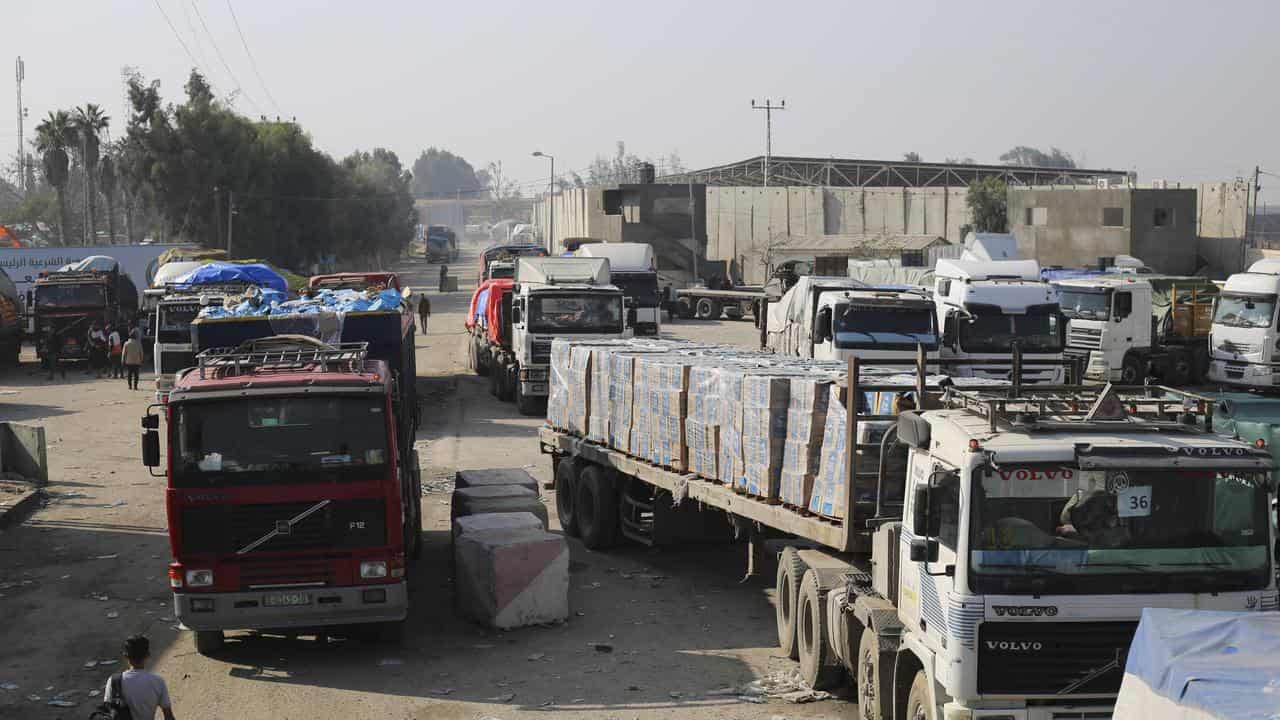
[1253,237]
[20,73]
[768,108]
[231,215]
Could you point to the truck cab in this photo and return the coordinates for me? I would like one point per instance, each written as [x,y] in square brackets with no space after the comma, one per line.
[984,307]
[838,318]
[66,304]
[171,320]
[282,511]
[632,268]
[1244,344]
[1030,545]
[556,297]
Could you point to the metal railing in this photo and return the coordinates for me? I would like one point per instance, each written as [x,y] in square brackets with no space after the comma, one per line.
[285,357]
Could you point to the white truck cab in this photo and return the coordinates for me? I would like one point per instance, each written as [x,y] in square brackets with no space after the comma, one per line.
[1244,344]
[833,318]
[174,309]
[632,268]
[985,306]
[557,297]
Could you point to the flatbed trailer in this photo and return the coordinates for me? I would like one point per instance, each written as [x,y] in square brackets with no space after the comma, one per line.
[707,304]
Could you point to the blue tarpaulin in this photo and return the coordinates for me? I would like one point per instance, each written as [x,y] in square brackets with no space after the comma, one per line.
[1203,664]
[225,272]
[269,302]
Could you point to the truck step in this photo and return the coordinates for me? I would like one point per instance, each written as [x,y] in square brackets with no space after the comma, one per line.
[637,520]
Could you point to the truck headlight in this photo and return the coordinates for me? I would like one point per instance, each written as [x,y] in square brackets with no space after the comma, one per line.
[373,569]
[199,578]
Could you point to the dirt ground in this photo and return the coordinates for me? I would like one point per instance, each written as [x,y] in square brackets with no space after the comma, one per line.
[90,568]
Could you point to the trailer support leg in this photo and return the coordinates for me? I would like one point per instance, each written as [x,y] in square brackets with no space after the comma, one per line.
[755,554]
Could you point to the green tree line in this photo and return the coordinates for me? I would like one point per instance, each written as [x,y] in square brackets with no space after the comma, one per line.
[197,171]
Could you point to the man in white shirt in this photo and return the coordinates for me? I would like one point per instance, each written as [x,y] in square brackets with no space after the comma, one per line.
[115,344]
[142,690]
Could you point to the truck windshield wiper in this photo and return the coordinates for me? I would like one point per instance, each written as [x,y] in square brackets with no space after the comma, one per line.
[1213,564]
[1036,569]
[1132,565]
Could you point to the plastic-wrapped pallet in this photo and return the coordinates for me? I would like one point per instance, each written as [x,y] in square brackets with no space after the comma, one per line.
[598,408]
[828,495]
[622,418]
[702,420]
[765,398]
[732,472]
[558,390]
[660,384]
[806,418]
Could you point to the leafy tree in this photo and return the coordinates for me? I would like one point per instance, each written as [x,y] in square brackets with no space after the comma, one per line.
[89,122]
[107,183]
[988,201]
[53,135]
[1031,157]
[439,172]
[911,157]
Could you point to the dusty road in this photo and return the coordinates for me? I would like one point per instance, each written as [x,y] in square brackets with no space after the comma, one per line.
[90,568]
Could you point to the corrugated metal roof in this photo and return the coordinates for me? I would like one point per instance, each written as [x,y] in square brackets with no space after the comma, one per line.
[881,242]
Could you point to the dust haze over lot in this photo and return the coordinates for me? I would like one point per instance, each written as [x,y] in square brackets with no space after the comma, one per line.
[680,623]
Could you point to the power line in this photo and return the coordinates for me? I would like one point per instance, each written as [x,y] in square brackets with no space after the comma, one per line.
[252,63]
[178,37]
[223,60]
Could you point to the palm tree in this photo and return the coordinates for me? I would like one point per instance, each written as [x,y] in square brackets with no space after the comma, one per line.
[89,122]
[52,136]
[107,181]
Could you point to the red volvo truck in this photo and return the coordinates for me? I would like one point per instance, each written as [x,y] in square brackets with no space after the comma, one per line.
[292,500]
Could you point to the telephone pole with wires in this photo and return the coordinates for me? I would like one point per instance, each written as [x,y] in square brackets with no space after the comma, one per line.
[20,74]
[768,107]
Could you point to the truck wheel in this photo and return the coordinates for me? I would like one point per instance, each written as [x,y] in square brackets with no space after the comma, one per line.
[918,705]
[209,642]
[1179,370]
[734,312]
[477,360]
[1131,371]
[526,404]
[684,308]
[818,665]
[787,593]
[566,496]
[596,506]
[494,381]
[1200,364]
[707,309]
[867,677]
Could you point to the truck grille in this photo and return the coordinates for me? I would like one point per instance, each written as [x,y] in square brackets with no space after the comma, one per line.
[1084,338]
[226,529]
[541,352]
[1239,348]
[1030,658]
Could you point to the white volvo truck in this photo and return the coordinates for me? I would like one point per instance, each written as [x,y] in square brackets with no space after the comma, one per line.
[986,307]
[1244,343]
[1002,575]
[553,297]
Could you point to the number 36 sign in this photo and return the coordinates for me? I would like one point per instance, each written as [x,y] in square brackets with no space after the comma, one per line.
[1134,501]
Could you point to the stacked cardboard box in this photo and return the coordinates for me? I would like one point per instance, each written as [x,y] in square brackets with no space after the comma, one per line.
[828,495]
[765,397]
[660,387]
[806,418]
[702,421]
[558,389]
[732,471]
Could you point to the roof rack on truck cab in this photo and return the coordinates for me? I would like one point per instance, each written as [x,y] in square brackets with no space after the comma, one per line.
[283,354]
[1109,408]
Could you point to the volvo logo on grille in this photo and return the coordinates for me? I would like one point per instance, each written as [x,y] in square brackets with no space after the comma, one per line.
[1025,610]
[1015,645]
[283,527]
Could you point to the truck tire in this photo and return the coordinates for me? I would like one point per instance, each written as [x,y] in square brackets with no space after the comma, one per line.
[684,308]
[495,380]
[1131,370]
[734,312]
[707,309]
[1200,364]
[566,495]
[919,706]
[209,642]
[791,571]
[818,665]
[527,405]
[478,360]
[867,677]
[596,507]
[1179,368]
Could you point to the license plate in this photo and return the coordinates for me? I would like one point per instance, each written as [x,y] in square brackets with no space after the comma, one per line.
[286,599]
[538,389]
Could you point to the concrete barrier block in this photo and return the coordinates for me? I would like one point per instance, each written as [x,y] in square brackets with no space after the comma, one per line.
[497,521]
[22,450]
[512,578]
[495,476]
[496,499]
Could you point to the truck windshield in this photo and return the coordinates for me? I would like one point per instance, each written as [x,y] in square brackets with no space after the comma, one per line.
[1246,311]
[884,327]
[1085,304]
[992,331]
[587,313]
[642,288]
[1065,530]
[53,297]
[175,322]
[278,441]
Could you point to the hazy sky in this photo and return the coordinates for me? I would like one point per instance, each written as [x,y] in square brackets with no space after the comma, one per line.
[1173,90]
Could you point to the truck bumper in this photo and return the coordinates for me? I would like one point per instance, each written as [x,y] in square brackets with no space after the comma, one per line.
[533,389]
[1092,709]
[328,606]
[1243,373]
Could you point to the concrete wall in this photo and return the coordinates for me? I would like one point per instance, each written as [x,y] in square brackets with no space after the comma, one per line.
[1222,209]
[1072,233]
[22,450]
[1170,247]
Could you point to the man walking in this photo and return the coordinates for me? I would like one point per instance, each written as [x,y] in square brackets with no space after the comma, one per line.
[115,345]
[132,356]
[444,275]
[424,311]
[141,690]
[53,353]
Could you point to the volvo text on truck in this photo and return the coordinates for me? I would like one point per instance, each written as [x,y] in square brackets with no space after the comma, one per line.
[284,511]
[992,556]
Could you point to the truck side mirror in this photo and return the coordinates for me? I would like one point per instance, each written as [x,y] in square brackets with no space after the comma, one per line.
[924,550]
[515,313]
[949,331]
[151,448]
[920,511]
[822,325]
